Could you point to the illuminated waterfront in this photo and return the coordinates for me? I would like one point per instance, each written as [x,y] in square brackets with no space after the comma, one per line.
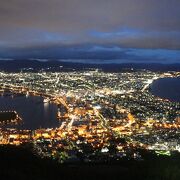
[34,113]
[103,116]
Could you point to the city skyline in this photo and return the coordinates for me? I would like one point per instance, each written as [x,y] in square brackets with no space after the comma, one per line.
[90,89]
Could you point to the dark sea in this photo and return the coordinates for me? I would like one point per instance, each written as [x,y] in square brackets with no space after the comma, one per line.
[167,88]
[34,112]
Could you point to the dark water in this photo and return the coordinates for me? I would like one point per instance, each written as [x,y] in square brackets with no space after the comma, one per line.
[167,88]
[32,110]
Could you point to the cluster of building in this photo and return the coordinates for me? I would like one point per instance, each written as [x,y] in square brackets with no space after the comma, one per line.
[103,116]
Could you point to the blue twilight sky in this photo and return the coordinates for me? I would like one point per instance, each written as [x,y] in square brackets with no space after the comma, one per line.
[91,30]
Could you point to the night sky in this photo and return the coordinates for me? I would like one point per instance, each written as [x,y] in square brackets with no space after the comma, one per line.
[98,30]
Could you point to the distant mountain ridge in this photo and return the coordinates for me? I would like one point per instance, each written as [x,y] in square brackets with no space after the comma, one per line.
[55,65]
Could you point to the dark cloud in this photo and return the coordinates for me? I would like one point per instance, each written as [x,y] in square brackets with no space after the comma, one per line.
[58,25]
[72,15]
[94,54]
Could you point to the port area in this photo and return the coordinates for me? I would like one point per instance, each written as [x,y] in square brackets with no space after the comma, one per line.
[9,118]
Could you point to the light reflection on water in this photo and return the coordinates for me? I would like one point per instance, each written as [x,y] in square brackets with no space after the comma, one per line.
[32,110]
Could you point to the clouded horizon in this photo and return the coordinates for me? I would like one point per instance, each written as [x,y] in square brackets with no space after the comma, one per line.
[119,30]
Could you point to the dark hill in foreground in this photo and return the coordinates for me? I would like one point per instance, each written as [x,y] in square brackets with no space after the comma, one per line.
[20,163]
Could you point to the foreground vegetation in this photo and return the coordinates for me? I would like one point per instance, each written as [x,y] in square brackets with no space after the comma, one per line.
[21,163]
